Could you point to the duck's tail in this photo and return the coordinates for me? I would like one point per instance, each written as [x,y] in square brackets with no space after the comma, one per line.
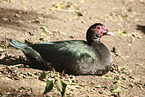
[17,44]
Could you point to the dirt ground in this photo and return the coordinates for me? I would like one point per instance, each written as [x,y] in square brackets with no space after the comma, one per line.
[46,20]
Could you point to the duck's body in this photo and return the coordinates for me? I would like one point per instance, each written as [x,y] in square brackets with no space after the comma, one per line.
[74,56]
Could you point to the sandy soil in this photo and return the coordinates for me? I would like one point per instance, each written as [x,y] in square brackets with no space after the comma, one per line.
[46,20]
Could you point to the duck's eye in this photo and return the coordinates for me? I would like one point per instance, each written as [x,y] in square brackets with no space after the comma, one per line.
[98,28]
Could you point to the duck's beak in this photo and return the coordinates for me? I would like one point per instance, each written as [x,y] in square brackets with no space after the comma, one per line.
[110,33]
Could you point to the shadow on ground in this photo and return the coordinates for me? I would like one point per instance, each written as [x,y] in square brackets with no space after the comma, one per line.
[10,60]
[20,19]
[141,28]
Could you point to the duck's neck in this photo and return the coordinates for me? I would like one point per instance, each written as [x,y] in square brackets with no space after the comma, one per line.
[104,52]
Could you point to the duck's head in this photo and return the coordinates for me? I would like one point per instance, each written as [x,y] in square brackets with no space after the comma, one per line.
[96,31]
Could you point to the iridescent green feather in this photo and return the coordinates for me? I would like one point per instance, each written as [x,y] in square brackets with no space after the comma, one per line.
[79,50]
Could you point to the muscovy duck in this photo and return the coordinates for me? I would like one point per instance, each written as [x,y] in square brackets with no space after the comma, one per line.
[72,56]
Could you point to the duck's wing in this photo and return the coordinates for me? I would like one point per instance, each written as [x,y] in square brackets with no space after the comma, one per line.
[69,50]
